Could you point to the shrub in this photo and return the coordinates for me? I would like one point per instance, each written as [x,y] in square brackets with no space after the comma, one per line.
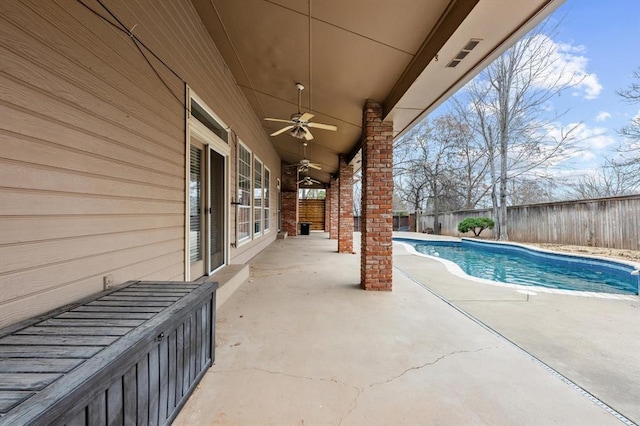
[475,224]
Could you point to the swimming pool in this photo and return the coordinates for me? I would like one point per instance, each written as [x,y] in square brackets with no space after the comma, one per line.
[514,264]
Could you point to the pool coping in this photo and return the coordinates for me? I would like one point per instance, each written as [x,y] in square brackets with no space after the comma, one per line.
[454,269]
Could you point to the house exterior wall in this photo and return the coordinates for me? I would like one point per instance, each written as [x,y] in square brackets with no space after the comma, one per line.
[92,149]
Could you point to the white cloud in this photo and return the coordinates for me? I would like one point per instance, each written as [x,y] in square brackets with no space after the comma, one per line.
[602,115]
[589,146]
[593,138]
[564,64]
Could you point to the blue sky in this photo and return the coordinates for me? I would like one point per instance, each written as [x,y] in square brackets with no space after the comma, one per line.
[599,40]
[607,34]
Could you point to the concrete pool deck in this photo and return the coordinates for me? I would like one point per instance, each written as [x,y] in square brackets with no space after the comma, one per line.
[300,344]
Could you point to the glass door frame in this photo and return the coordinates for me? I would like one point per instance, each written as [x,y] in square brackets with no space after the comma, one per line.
[211,142]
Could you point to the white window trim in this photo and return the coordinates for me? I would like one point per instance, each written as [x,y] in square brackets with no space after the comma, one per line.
[267,197]
[249,237]
[194,127]
[253,194]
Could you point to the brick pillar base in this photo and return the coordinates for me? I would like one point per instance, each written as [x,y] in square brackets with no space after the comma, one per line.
[345,206]
[377,200]
[289,207]
[333,219]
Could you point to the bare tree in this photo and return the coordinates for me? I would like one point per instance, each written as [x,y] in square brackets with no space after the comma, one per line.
[506,106]
[611,179]
[530,191]
[425,173]
[629,149]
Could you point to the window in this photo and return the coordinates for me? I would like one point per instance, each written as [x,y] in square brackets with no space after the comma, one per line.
[257,197]
[266,202]
[200,114]
[244,193]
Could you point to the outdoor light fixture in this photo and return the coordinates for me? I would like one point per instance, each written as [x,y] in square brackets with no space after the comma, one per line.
[471,44]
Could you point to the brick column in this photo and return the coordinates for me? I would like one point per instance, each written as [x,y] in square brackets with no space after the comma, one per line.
[345,206]
[289,200]
[327,208]
[333,219]
[377,200]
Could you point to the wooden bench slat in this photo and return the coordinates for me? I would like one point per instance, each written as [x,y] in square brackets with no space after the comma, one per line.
[148,291]
[134,298]
[166,285]
[124,309]
[26,381]
[131,304]
[107,315]
[9,399]
[11,351]
[63,322]
[38,365]
[97,411]
[16,339]
[72,331]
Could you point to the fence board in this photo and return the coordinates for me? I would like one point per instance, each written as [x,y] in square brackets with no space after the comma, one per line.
[604,222]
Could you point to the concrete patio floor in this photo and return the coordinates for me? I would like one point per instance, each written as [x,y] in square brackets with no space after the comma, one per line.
[300,344]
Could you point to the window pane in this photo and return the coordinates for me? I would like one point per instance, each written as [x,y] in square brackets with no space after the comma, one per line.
[195,201]
[244,193]
[266,201]
[257,197]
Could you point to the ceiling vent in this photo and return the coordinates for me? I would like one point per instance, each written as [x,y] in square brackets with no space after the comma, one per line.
[471,44]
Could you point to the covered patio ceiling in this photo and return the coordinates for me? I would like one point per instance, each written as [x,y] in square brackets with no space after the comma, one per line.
[398,53]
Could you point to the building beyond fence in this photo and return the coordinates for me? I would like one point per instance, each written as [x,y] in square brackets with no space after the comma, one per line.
[604,222]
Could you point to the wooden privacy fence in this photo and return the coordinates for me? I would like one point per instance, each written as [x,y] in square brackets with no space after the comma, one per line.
[312,211]
[604,222]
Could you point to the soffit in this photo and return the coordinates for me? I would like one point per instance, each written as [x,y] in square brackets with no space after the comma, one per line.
[347,51]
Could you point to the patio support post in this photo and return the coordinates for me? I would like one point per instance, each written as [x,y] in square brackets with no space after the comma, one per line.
[345,206]
[333,214]
[289,196]
[376,262]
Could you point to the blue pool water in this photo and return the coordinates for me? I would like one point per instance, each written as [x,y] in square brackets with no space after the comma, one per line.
[518,265]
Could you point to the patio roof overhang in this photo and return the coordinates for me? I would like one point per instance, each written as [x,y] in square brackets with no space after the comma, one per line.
[347,51]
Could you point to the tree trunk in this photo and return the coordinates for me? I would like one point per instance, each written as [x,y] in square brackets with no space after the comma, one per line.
[436,215]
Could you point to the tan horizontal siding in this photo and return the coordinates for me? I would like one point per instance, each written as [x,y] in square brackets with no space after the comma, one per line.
[29,150]
[52,297]
[14,202]
[15,230]
[44,178]
[48,105]
[92,146]
[41,254]
[124,264]
[24,122]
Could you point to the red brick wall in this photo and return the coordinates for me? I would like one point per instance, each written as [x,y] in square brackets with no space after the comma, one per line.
[377,200]
[327,208]
[345,205]
[289,200]
[333,220]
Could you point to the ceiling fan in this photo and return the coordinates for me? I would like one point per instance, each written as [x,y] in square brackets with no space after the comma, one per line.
[308,181]
[304,164]
[299,123]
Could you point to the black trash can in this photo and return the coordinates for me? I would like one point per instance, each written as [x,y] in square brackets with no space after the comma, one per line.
[304,228]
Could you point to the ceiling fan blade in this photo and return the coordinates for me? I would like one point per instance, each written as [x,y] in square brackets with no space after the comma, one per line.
[284,129]
[323,126]
[306,117]
[278,120]
[315,166]
[307,134]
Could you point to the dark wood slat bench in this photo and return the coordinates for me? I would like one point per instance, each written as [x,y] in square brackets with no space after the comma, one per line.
[130,355]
